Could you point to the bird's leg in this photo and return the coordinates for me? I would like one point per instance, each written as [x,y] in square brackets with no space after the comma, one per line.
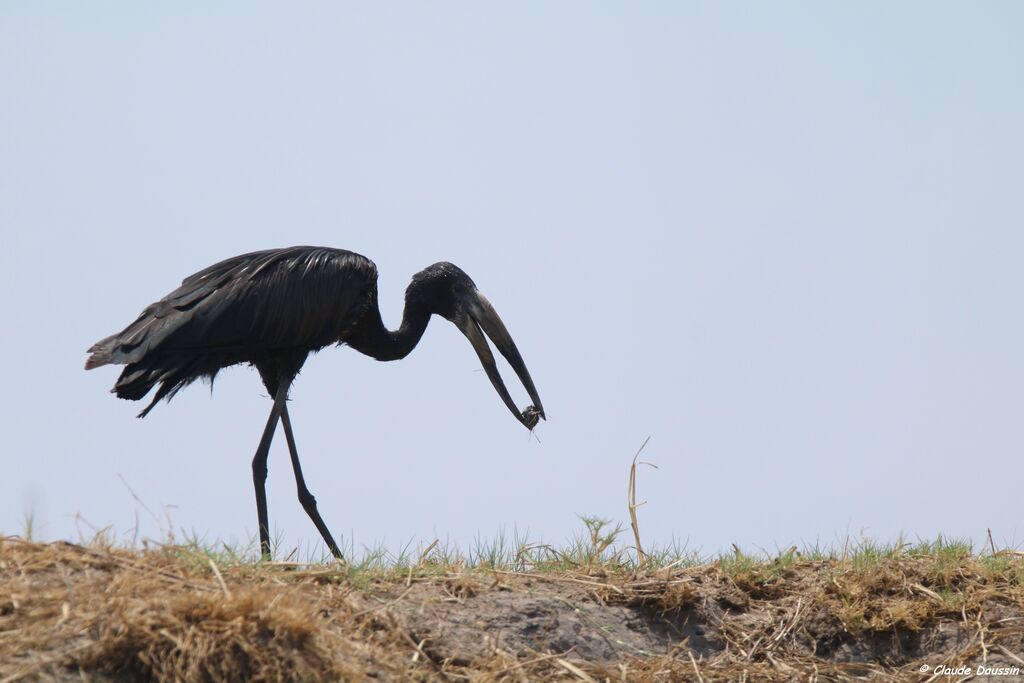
[305,497]
[259,468]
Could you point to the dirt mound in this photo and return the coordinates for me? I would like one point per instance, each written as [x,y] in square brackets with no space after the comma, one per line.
[96,613]
[524,620]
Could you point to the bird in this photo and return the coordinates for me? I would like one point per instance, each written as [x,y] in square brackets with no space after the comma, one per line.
[271,309]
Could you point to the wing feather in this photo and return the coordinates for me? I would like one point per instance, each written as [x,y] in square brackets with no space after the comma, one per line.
[297,298]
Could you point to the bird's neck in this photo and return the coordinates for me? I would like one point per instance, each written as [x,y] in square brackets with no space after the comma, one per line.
[371,337]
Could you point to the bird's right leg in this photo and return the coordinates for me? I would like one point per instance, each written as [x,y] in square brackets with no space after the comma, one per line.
[259,468]
[306,498]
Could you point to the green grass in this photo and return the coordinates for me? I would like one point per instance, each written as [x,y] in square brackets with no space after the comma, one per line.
[601,545]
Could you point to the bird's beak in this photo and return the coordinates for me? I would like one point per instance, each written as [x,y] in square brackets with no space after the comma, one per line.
[479,317]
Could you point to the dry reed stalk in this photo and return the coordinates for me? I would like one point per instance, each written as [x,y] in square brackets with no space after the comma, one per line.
[633,505]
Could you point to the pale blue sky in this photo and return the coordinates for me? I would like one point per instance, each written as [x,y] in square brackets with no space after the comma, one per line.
[785,240]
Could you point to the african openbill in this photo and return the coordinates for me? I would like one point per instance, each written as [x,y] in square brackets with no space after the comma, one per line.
[270,309]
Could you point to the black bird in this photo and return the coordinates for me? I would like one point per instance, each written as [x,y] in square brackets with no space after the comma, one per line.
[270,309]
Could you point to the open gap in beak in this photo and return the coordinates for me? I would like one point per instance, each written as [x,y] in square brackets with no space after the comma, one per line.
[471,327]
[488,318]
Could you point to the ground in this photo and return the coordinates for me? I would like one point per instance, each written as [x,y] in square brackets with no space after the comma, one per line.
[95,612]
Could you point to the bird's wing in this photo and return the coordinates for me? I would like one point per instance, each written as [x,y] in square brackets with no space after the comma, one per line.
[299,297]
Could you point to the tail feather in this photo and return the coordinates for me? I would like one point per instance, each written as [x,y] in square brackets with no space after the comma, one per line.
[138,379]
[168,388]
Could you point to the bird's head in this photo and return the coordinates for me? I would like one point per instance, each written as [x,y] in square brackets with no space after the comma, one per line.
[446,290]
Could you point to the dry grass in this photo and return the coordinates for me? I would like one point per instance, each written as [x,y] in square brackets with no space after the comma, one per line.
[181,614]
[149,616]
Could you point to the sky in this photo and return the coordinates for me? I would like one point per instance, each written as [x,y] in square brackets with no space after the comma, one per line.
[783,240]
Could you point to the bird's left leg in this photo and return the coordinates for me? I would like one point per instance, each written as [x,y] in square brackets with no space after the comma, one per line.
[259,468]
[305,497]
